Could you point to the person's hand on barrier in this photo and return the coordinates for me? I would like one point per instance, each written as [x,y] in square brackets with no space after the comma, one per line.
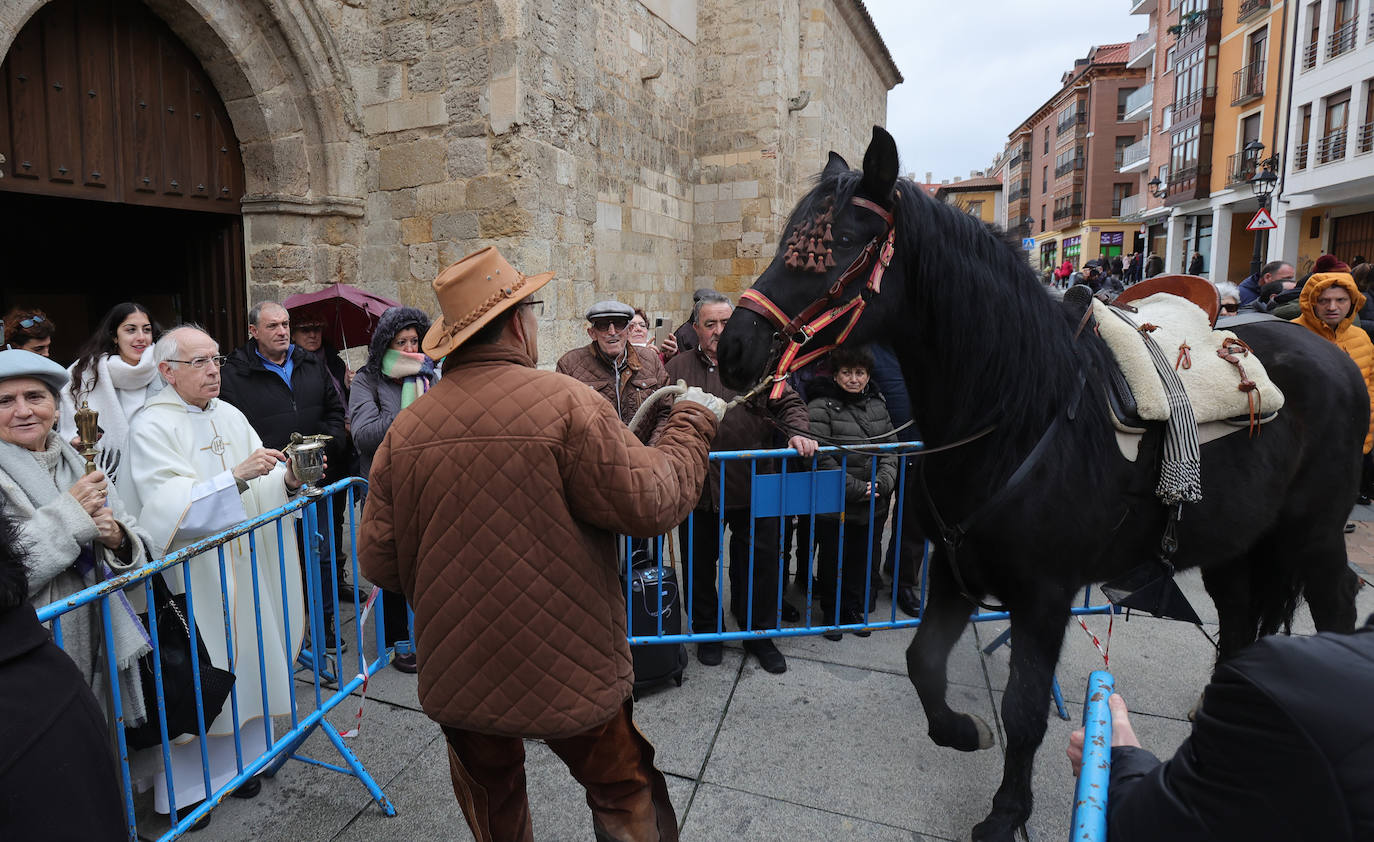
[259,463]
[111,533]
[699,396]
[90,491]
[1122,733]
[805,447]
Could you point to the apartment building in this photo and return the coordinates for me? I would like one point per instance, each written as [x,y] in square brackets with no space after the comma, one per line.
[978,197]
[1060,174]
[1325,202]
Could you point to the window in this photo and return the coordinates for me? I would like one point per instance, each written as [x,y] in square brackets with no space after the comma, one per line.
[1365,136]
[1119,193]
[1183,153]
[1047,140]
[1045,179]
[1257,44]
[1188,82]
[1170,59]
[1122,94]
[1342,29]
[1314,25]
[1042,217]
[1304,138]
[1332,145]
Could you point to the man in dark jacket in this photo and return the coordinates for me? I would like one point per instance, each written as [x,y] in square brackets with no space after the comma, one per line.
[58,777]
[621,373]
[742,429]
[1282,748]
[281,390]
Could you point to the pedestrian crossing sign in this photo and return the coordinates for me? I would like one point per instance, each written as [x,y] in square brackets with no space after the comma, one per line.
[1262,221]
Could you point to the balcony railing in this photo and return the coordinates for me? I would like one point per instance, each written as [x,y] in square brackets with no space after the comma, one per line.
[1190,105]
[1079,117]
[1249,8]
[1309,55]
[1331,147]
[1143,7]
[1248,83]
[1240,167]
[1130,205]
[1140,99]
[1342,40]
[1068,212]
[1364,139]
[1135,155]
[1141,49]
[1020,190]
[1019,157]
[1183,174]
[1068,167]
[1300,157]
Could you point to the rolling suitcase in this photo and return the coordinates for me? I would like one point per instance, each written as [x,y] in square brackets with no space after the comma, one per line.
[657,662]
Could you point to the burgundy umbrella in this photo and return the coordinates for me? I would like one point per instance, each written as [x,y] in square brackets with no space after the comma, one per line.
[349,314]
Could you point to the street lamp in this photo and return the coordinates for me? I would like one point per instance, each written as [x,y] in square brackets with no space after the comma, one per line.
[1157,188]
[1028,222]
[1262,183]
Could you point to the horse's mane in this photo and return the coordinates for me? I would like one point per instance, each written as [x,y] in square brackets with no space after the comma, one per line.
[972,307]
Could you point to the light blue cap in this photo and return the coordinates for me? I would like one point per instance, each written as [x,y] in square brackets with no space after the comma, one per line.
[17,362]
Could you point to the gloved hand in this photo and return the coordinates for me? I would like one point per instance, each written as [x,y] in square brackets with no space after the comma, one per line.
[706,399]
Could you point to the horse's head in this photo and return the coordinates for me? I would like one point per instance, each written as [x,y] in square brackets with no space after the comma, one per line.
[829,264]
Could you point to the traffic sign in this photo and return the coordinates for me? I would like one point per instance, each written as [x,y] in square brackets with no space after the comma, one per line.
[1027,243]
[1262,222]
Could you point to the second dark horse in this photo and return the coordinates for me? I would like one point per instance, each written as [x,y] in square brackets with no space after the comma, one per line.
[982,345]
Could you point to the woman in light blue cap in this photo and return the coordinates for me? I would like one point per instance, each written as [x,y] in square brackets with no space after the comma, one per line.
[73,526]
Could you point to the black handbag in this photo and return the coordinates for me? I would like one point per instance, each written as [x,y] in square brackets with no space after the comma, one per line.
[178,685]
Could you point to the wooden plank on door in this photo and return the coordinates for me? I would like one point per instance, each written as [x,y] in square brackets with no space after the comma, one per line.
[62,110]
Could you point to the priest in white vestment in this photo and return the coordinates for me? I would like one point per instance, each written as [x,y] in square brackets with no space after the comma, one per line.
[196,467]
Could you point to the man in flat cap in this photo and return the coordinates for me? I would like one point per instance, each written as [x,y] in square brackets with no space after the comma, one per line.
[493,506]
[622,373]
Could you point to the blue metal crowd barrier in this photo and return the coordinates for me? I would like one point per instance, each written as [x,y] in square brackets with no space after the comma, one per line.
[1090,797]
[806,494]
[324,669]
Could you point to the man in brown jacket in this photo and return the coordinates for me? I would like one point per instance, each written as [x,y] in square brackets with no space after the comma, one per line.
[621,373]
[743,429]
[493,503]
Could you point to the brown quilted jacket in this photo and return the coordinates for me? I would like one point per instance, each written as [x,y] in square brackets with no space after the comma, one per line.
[745,427]
[637,378]
[492,506]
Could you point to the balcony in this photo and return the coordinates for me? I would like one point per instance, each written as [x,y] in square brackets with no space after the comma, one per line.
[1078,118]
[1068,167]
[1020,190]
[1019,157]
[1364,139]
[1136,157]
[1240,168]
[1143,7]
[1195,27]
[1331,147]
[1247,84]
[1130,205]
[1191,104]
[1309,56]
[1068,212]
[1142,50]
[1250,8]
[1300,157]
[1342,40]
[1183,176]
[1138,104]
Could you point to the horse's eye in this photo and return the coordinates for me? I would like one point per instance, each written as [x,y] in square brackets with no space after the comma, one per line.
[844,239]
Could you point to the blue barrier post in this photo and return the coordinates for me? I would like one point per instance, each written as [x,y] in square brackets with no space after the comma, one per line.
[1090,797]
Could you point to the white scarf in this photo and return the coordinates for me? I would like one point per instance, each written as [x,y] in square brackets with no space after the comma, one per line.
[119,391]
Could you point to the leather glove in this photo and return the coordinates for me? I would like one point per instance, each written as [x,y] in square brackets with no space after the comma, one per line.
[706,399]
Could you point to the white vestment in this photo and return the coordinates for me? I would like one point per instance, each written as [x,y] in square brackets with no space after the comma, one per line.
[179,482]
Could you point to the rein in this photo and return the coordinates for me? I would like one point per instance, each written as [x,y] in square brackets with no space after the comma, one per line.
[823,312]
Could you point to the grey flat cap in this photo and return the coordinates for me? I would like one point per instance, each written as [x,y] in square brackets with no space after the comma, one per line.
[19,363]
[610,310]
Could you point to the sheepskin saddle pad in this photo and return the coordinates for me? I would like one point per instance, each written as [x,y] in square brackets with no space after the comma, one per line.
[1217,369]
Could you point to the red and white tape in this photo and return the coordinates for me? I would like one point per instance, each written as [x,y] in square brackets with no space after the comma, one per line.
[365,676]
[1106,661]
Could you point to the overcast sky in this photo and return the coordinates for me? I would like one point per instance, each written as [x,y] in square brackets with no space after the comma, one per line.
[974,69]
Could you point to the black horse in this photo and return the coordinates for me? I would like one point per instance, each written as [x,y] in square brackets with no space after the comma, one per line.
[982,345]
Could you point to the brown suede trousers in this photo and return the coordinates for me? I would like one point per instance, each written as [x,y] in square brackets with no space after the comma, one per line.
[613,761]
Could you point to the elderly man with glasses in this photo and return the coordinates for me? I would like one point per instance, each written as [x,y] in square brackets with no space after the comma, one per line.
[622,373]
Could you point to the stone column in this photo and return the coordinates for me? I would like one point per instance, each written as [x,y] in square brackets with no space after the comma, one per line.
[1173,251]
[1220,258]
[1283,241]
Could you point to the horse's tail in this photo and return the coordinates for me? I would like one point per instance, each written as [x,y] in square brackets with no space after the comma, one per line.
[1276,600]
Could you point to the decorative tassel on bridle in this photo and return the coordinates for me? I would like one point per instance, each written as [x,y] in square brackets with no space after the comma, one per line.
[808,249]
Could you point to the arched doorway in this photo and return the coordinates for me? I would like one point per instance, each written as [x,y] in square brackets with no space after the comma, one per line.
[122,175]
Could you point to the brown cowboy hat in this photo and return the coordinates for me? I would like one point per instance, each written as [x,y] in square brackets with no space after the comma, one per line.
[471,293]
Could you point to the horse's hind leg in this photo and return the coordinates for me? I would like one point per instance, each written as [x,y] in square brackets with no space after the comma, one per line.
[1230,587]
[943,620]
[1329,584]
[1037,633]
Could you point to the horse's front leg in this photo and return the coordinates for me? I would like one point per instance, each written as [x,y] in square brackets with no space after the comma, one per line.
[1037,633]
[943,620]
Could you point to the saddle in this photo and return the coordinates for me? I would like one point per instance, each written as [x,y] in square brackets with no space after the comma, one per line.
[1223,379]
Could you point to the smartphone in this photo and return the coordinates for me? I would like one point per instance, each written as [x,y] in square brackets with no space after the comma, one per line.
[660,331]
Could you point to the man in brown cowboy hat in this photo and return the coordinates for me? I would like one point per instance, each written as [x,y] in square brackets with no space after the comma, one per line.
[493,503]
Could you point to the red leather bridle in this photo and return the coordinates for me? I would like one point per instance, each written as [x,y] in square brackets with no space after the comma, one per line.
[823,312]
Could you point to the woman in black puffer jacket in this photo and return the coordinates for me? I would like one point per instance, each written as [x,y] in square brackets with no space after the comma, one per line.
[844,408]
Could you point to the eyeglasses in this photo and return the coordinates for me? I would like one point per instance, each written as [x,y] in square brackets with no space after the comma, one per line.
[31,321]
[604,325]
[201,362]
[536,306]
[1230,308]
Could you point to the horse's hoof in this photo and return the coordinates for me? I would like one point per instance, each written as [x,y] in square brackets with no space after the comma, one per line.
[984,732]
[989,831]
[970,733]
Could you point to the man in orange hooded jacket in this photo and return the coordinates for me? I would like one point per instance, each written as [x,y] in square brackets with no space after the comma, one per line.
[1329,302]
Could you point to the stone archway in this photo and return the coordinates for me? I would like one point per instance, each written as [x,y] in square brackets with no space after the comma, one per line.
[275,65]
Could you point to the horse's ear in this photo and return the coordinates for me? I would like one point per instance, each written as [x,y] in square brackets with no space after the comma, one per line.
[880,167]
[835,165]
